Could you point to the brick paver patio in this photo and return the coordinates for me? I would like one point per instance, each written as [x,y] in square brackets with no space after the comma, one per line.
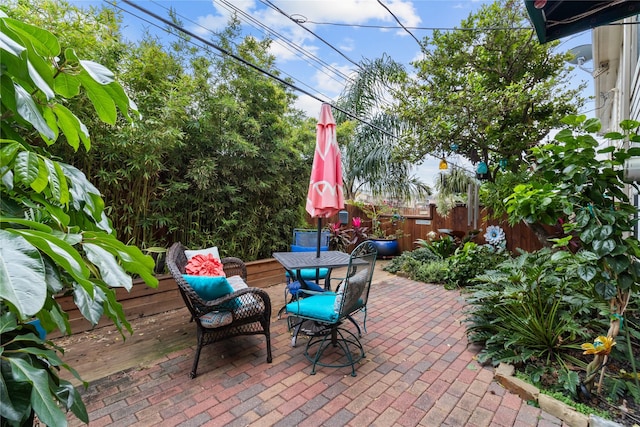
[419,370]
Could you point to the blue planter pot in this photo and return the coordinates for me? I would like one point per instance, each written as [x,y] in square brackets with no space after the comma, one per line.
[386,247]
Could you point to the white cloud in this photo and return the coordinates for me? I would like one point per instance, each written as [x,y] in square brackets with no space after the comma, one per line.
[309,105]
[347,45]
[328,82]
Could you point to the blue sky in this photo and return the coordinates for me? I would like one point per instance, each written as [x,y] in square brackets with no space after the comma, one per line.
[321,67]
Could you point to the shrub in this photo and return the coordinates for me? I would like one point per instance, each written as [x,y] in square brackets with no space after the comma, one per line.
[432,272]
[410,261]
[532,309]
[470,261]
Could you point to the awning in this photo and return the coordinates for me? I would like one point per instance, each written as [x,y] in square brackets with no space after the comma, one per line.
[555,19]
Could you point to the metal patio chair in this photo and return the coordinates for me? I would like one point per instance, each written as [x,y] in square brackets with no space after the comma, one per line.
[322,315]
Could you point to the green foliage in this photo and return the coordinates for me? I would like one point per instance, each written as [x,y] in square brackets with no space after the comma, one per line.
[443,247]
[369,158]
[54,234]
[491,93]
[580,407]
[218,155]
[432,272]
[409,260]
[532,308]
[578,185]
[469,261]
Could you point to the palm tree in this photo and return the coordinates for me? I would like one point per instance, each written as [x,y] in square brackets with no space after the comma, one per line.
[373,130]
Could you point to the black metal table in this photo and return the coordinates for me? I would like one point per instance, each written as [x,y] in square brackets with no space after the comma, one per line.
[297,261]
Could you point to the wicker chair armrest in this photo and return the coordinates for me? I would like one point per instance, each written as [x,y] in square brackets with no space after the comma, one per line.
[234,266]
[222,303]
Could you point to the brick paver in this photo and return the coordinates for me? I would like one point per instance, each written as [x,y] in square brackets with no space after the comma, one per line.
[418,370]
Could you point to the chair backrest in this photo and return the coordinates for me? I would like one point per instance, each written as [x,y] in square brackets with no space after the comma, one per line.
[307,240]
[354,290]
[176,263]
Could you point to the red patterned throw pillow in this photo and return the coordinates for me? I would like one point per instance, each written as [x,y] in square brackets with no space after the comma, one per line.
[204,265]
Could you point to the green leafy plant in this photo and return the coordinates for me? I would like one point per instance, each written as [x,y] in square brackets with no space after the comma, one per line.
[469,261]
[432,272]
[384,220]
[443,246]
[54,234]
[410,261]
[533,309]
[580,186]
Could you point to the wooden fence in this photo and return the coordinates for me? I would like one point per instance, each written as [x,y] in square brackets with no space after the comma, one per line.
[420,221]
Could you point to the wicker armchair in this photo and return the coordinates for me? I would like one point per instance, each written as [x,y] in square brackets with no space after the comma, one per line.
[246,311]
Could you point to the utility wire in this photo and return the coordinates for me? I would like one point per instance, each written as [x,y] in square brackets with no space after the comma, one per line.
[288,44]
[302,19]
[276,8]
[402,25]
[265,29]
[182,35]
[253,66]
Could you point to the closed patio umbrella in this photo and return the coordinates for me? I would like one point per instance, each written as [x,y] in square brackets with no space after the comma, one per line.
[325,197]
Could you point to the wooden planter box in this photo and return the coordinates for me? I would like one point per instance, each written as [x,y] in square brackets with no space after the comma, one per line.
[144,301]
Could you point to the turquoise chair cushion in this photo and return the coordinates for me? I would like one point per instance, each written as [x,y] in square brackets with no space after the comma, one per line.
[319,307]
[309,273]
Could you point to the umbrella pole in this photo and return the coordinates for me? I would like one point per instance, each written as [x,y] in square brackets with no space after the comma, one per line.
[319,237]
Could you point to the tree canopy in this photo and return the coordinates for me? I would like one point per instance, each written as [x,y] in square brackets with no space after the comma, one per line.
[219,150]
[368,144]
[487,91]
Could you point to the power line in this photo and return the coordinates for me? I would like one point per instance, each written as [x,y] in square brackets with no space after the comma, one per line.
[267,30]
[276,8]
[303,20]
[402,25]
[251,65]
[288,44]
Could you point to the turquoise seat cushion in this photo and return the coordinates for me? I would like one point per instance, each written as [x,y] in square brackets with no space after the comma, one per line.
[310,273]
[299,248]
[210,288]
[319,307]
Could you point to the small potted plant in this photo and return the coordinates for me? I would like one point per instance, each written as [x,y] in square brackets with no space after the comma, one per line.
[383,232]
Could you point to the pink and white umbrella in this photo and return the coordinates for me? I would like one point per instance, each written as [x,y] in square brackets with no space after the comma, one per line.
[325,197]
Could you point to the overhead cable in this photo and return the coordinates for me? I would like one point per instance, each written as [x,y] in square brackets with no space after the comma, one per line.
[276,8]
[251,65]
[267,30]
[402,25]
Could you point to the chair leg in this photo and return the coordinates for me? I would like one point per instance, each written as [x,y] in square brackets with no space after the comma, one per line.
[338,337]
[352,320]
[194,368]
[268,337]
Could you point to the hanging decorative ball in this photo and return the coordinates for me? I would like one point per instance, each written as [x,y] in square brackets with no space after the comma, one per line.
[454,147]
[443,165]
[482,171]
[539,4]
[482,168]
[503,164]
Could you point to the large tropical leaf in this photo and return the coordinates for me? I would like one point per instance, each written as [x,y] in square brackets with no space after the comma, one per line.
[46,408]
[28,110]
[112,273]
[62,253]
[22,274]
